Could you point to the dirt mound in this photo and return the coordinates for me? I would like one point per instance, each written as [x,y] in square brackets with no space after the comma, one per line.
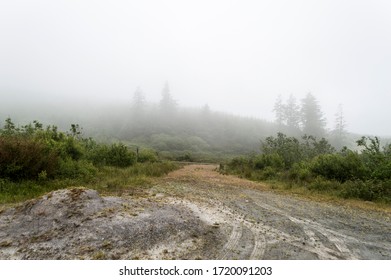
[80,224]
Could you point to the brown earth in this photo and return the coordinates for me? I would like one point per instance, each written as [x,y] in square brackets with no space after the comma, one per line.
[193,213]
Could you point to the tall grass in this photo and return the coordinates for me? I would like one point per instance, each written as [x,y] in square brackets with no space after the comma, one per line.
[106,179]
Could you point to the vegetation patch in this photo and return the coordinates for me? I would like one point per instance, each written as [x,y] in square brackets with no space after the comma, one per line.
[318,167]
[36,160]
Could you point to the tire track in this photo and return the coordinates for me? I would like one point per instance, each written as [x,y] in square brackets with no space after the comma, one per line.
[222,215]
[232,244]
[336,238]
[259,246]
[257,224]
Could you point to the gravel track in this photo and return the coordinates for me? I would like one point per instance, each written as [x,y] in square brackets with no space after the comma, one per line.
[192,213]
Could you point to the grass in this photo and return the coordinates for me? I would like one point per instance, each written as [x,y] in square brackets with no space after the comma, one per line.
[364,194]
[302,190]
[107,180]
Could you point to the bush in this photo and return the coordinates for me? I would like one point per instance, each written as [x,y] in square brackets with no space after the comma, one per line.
[24,158]
[72,169]
[115,155]
[238,163]
[288,148]
[185,157]
[71,148]
[322,185]
[382,171]
[4,185]
[365,175]
[147,155]
[268,160]
[119,155]
[300,172]
[367,190]
[339,167]
[268,173]
[240,166]
[97,154]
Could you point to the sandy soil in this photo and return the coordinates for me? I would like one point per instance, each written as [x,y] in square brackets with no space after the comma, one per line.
[193,213]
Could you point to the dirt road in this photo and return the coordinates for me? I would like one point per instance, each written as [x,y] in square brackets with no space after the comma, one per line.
[193,213]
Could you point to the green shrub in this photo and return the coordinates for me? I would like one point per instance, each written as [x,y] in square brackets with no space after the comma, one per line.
[322,185]
[238,163]
[71,148]
[147,155]
[185,157]
[42,176]
[24,158]
[98,154]
[300,172]
[339,167]
[268,160]
[367,190]
[288,148]
[268,173]
[4,183]
[72,169]
[119,155]
[382,171]
[241,166]
[115,155]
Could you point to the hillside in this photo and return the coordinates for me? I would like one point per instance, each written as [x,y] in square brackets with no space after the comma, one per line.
[199,134]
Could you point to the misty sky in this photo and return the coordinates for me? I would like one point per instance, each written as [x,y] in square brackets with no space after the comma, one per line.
[236,56]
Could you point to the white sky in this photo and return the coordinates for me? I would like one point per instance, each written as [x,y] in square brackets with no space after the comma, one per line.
[237,56]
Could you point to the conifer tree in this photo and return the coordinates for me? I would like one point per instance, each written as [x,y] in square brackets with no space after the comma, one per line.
[138,102]
[313,121]
[292,113]
[339,132]
[167,103]
[278,110]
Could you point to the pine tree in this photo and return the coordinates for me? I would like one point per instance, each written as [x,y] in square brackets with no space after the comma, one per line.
[292,113]
[205,110]
[339,133]
[167,103]
[278,110]
[138,102]
[312,119]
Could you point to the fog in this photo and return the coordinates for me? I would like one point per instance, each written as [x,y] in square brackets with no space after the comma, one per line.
[235,56]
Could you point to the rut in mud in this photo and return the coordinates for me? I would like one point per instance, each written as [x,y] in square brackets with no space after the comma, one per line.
[193,213]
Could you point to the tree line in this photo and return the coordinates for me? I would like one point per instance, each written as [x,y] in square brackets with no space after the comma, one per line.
[199,134]
[307,118]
